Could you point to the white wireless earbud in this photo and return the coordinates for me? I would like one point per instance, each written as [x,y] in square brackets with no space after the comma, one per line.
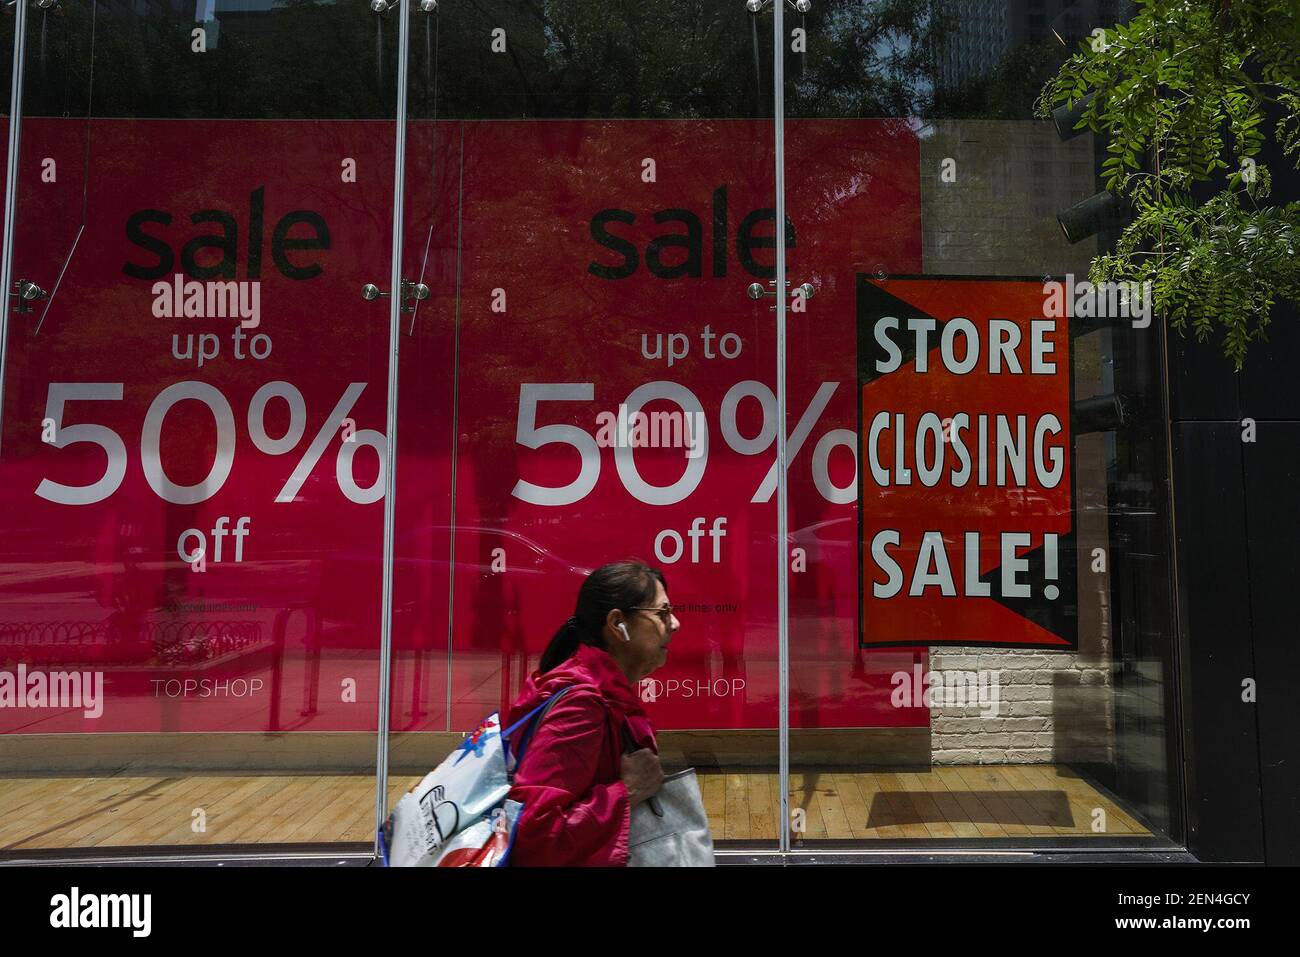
[623,628]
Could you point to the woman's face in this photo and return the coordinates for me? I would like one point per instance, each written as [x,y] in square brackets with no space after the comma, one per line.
[649,634]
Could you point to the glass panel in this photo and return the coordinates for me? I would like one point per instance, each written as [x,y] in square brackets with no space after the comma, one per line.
[592,193]
[981,620]
[426,436]
[7,50]
[194,414]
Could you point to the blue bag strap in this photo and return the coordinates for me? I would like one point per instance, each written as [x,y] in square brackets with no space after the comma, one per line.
[532,719]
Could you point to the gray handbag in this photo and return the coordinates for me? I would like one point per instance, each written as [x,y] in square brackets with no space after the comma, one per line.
[671,829]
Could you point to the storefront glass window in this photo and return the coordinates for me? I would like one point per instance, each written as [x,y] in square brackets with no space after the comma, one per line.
[591,380]
[194,419]
[193,425]
[980,627]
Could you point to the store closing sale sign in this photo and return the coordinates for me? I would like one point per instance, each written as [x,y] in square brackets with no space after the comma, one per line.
[966,512]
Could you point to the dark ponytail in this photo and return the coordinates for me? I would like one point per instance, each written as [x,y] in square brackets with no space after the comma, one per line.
[620,585]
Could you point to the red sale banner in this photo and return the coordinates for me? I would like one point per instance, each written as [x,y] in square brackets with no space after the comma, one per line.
[967,487]
[193,424]
[191,472]
[620,289]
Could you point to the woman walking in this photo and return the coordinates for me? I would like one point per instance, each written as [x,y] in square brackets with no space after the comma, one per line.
[576,784]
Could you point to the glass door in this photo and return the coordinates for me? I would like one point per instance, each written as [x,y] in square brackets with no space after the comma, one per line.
[980,619]
[194,420]
[591,196]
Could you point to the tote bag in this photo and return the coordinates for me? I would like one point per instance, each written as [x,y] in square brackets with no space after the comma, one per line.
[670,829]
[678,835]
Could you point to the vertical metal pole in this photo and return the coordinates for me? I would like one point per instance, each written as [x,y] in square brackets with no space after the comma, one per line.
[11,188]
[390,469]
[782,518]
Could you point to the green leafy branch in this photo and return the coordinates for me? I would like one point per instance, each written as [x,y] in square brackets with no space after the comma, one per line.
[1186,93]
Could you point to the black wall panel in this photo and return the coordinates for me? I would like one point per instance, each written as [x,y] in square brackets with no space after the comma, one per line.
[1222,757]
[1202,383]
[1270,380]
[1272,499]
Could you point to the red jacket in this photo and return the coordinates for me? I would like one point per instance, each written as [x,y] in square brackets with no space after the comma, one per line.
[576,808]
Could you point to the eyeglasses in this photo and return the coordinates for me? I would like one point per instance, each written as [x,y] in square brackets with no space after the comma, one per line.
[663,612]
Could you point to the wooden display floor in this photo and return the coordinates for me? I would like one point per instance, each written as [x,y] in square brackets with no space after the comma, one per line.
[984,801]
[972,801]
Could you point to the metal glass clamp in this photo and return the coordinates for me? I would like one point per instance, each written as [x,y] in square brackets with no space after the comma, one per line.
[412,292]
[804,290]
[758,6]
[383,6]
[25,293]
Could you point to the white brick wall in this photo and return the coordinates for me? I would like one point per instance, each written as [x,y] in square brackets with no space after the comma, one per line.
[1053,707]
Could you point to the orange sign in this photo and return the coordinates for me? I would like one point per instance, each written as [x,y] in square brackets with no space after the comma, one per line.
[967,493]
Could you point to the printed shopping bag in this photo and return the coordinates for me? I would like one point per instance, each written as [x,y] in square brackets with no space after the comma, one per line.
[461,792]
[485,843]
